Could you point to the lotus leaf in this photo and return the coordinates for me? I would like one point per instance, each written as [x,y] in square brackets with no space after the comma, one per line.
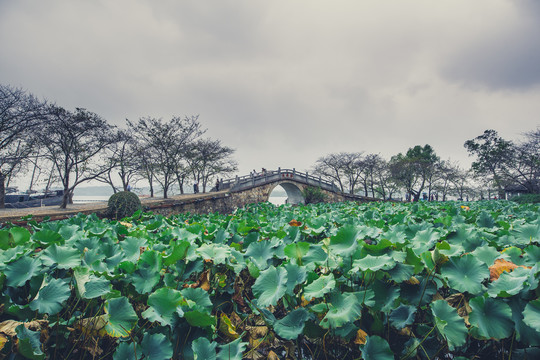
[295,275]
[465,273]
[315,256]
[199,297]
[402,316]
[46,237]
[90,286]
[344,243]
[64,257]
[450,326]
[127,351]
[163,303]
[215,252]
[179,252]
[51,297]
[531,314]
[144,280]
[490,318]
[527,233]
[486,254]
[203,349]
[525,333]
[270,286]
[376,348]
[424,240]
[292,324]
[485,220]
[19,235]
[132,248]
[343,309]
[509,284]
[232,350]
[260,253]
[296,251]
[374,263]
[319,287]
[29,343]
[22,270]
[200,318]
[156,347]
[121,317]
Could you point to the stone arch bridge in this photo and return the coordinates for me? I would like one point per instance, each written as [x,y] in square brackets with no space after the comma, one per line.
[232,194]
[254,188]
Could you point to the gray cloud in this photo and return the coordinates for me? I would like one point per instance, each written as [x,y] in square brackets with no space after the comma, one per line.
[287,82]
[505,58]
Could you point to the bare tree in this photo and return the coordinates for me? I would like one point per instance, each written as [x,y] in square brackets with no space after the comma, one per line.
[462,183]
[343,168]
[208,158]
[20,113]
[166,143]
[523,165]
[123,162]
[380,178]
[74,143]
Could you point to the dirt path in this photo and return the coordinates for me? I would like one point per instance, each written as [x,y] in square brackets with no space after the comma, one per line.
[54,212]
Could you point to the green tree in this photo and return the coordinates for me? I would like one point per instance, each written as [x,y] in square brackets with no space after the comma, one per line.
[414,170]
[492,154]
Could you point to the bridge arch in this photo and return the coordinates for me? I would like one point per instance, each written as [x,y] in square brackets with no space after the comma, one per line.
[293,191]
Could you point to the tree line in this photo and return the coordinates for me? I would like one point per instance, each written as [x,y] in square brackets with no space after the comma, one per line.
[500,165]
[45,141]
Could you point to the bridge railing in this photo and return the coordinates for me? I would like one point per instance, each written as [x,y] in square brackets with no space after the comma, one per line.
[263,177]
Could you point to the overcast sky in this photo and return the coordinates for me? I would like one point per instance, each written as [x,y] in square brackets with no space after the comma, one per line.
[285,82]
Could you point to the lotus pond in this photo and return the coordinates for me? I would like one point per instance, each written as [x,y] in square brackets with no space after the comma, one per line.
[327,281]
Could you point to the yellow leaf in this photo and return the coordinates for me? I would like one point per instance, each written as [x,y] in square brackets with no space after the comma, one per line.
[8,327]
[361,336]
[126,224]
[413,281]
[406,331]
[500,266]
[3,341]
[459,301]
[272,356]
[227,328]
[94,326]
[294,222]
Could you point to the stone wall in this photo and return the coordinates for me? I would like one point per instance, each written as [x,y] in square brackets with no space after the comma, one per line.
[226,202]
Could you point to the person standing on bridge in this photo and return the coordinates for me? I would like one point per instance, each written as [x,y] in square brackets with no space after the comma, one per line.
[217,185]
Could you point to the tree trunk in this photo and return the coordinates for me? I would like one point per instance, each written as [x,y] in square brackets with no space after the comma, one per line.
[65,198]
[2,191]
[151,186]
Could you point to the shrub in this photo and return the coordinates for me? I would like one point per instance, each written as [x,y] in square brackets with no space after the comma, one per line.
[527,199]
[313,195]
[123,204]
